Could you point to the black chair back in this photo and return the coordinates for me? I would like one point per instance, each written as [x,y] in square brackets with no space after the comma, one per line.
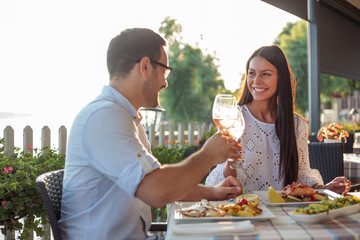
[50,187]
[327,158]
[313,137]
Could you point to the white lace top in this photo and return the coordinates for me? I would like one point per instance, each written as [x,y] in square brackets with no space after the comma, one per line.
[262,156]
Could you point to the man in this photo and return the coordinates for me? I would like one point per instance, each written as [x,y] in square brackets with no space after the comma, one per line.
[111,178]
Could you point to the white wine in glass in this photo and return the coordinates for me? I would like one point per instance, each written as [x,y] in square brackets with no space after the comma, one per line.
[237,131]
[224,112]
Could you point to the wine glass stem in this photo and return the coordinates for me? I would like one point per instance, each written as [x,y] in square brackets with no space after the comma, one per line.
[238,167]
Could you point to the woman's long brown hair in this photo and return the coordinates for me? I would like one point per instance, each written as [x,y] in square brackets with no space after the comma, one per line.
[284,124]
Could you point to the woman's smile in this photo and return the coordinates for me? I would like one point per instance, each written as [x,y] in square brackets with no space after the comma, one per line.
[262,79]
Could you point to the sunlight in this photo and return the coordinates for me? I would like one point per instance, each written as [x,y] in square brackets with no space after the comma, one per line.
[53,53]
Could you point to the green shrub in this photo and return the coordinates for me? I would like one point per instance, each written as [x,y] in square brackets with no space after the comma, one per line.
[19,195]
[175,154]
[350,127]
[170,155]
[167,155]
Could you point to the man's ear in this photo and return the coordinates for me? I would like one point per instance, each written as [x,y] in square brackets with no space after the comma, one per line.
[145,67]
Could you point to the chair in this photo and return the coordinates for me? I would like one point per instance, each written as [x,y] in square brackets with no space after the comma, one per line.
[313,137]
[327,158]
[50,187]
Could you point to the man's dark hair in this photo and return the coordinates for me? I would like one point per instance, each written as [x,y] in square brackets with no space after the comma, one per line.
[132,45]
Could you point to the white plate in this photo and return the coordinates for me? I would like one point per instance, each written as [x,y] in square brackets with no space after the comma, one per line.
[265,214]
[264,197]
[325,216]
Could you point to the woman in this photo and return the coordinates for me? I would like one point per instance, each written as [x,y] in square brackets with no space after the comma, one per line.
[275,138]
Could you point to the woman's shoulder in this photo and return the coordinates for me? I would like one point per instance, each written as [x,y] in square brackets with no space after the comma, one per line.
[244,109]
[299,117]
[300,121]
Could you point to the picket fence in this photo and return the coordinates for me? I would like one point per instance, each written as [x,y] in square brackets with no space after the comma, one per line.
[166,135]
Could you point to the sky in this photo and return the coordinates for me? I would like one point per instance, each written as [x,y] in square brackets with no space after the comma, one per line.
[53,53]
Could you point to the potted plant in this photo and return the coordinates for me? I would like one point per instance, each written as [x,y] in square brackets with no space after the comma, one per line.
[334,132]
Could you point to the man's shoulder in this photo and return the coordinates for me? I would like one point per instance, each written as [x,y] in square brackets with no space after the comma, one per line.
[103,103]
[100,109]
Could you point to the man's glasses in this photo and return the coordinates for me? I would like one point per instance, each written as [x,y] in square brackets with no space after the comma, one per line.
[167,71]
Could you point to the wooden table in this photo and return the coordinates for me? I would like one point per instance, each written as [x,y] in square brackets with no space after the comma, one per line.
[283,227]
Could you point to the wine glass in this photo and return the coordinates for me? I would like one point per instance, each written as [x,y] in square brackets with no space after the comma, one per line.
[237,131]
[238,128]
[225,112]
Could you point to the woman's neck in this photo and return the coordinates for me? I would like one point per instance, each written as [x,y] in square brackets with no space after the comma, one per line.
[264,112]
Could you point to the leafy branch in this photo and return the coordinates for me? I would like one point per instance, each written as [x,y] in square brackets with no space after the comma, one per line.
[19,195]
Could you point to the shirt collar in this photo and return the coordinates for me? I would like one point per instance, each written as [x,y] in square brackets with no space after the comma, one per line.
[112,93]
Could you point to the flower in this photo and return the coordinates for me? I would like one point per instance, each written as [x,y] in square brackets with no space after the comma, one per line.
[332,131]
[19,194]
[7,169]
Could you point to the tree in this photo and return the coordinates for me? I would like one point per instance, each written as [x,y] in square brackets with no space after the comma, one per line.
[195,79]
[293,41]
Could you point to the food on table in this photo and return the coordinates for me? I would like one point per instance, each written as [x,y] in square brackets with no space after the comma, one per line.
[297,189]
[245,206]
[242,208]
[249,197]
[274,196]
[296,192]
[327,205]
[203,209]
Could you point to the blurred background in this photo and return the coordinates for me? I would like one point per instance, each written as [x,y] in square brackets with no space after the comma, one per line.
[53,56]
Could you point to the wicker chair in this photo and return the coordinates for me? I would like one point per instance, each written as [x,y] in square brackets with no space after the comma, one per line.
[50,187]
[327,158]
[313,137]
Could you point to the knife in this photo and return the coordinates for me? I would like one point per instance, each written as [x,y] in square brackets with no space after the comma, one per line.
[332,195]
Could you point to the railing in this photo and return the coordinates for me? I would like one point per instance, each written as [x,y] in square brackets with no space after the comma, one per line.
[167,134]
[164,136]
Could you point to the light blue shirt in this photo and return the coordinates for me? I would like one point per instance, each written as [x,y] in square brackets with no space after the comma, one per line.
[108,155]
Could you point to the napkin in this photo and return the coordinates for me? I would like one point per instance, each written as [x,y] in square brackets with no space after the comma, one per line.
[212,228]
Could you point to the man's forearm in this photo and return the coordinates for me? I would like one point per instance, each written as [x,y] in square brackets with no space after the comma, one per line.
[174,182]
[199,192]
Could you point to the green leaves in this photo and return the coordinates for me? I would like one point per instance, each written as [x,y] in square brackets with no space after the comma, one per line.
[194,81]
[19,195]
[172,155]
[167,155]
[293,41]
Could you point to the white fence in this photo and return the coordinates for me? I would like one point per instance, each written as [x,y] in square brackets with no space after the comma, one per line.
[164,136]
[167,134]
